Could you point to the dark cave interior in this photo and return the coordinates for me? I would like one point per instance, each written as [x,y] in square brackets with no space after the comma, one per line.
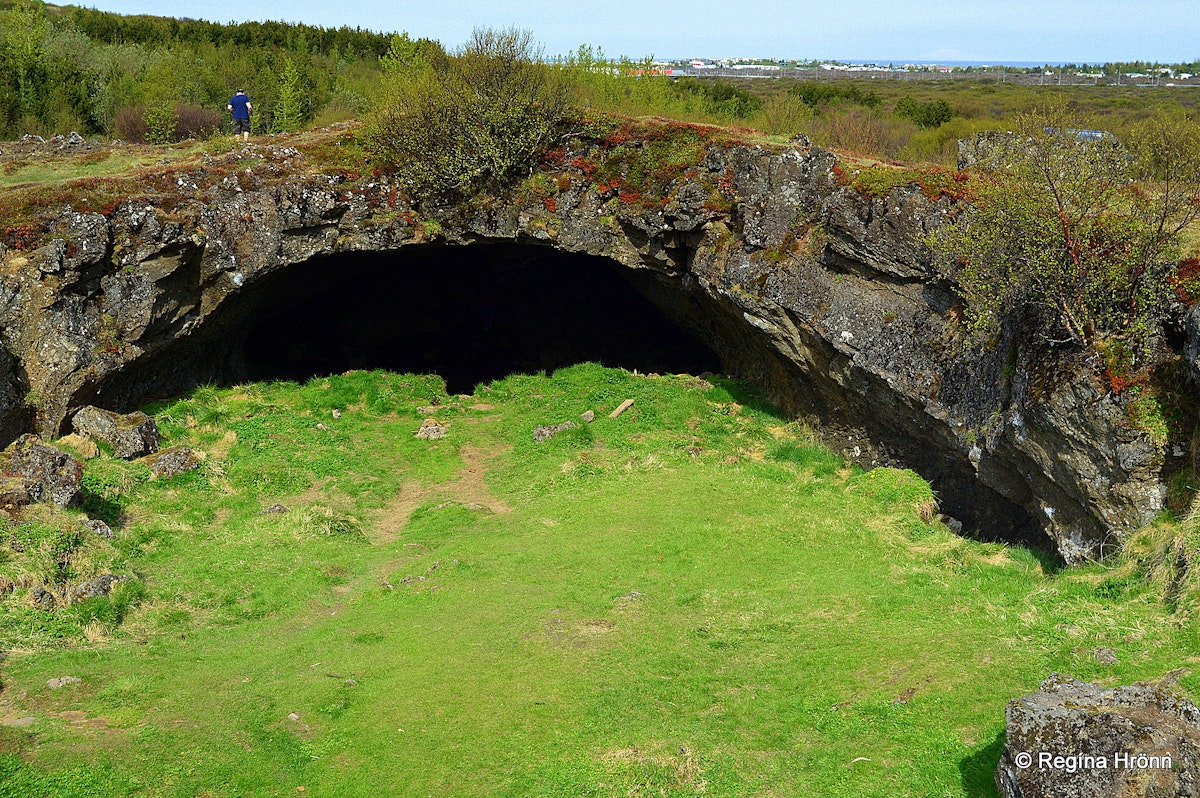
[471,314]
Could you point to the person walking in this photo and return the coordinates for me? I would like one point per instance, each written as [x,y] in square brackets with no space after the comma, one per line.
[239,105]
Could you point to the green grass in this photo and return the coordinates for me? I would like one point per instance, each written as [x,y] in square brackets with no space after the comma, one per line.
[691,598]
[41,170]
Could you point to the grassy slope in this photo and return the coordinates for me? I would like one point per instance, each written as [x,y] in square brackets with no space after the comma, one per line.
[608,613]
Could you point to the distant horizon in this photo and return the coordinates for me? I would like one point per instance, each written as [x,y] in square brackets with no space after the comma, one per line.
[1019,33]
[924,61]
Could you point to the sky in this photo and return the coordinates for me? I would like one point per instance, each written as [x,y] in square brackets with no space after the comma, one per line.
[1043,31]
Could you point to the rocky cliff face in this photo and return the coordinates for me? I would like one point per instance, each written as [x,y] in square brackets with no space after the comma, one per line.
[819,295]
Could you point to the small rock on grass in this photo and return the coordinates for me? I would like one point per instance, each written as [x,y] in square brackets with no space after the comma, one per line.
[588,416]
[130,435]
[37,472]
[96,587]
[19,723]
[63,681]
[431,430]
[43,599]
[275,508]
[172,461]
[544,433]
[99,527]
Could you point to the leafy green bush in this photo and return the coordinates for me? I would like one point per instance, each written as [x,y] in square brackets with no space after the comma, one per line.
[784,114]
[160,124]
[817,94]
[1076,240]
[925,115]
[471,120]
[720,98]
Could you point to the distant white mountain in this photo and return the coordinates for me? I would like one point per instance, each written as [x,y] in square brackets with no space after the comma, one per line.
[949,54]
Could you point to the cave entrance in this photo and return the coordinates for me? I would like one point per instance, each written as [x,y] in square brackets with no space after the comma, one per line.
[471,314]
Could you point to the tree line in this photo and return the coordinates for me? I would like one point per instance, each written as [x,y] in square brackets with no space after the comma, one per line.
[156,78]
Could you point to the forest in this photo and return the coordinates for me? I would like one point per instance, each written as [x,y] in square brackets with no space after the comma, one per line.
[158,79]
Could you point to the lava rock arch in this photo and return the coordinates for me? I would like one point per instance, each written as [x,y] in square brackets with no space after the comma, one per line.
[765,261]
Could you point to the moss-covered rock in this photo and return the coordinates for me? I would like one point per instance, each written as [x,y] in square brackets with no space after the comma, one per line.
[1074,739]
[130,435]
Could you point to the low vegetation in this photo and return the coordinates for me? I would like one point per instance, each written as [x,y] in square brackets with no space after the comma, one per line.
[156,79]
[1077,240]
[469,121]
[690,597]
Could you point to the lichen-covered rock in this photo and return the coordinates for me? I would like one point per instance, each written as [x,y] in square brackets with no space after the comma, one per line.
[43,599]
[172,461]
[31,472]
[1074,739]
[545,433]
[431,430]
[98,527]
[96,587]
[983,146]
[130,435]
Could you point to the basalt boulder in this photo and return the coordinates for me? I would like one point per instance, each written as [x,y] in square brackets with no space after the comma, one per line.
[172,461]
[1074,739]
[130,435]
[32,472]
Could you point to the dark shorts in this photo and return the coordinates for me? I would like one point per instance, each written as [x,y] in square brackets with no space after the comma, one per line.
[241,126]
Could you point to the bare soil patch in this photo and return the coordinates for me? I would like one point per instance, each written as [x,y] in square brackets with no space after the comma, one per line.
[468,487]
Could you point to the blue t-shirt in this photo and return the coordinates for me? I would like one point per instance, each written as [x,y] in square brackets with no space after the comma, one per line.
[240,103]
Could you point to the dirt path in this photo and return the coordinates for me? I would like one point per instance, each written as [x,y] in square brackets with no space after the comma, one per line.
[467,488]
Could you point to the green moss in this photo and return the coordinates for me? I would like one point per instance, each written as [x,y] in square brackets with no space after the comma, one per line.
[642,159]
[1145,414]
[879,180]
